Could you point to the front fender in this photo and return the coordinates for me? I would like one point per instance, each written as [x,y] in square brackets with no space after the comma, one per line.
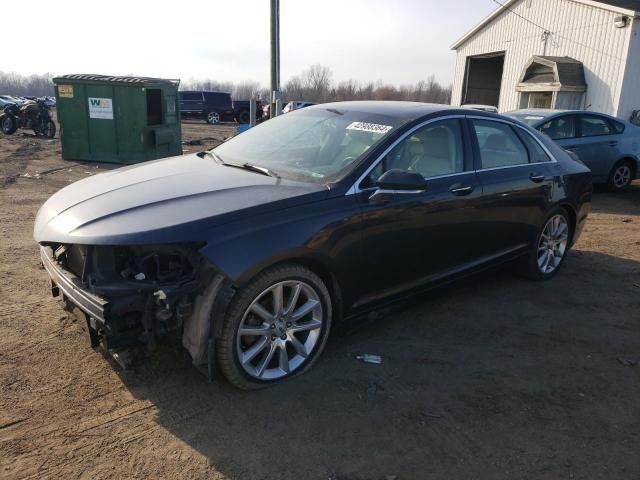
[324,232]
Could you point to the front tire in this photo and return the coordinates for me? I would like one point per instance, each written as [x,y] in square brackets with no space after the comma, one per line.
[550,248]
[275,328]
[621,176]
[8,124]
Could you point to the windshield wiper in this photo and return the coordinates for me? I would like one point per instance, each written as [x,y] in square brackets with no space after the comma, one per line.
[212,155]
[253,168]
[246,166]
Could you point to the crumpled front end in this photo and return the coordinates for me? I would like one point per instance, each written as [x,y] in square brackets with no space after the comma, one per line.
[131,295]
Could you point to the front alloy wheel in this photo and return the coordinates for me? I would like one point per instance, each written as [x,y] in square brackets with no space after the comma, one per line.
[279,330]
[275,328]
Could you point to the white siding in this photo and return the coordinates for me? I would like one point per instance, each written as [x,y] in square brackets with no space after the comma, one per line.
[630,95]
[583,32]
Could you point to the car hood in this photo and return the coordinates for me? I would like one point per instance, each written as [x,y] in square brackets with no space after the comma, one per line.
[165,201]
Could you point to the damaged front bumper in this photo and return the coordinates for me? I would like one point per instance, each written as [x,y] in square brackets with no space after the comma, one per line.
[129,307]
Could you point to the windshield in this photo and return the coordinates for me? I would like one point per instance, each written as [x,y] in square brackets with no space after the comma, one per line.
[319,145]
[530,119]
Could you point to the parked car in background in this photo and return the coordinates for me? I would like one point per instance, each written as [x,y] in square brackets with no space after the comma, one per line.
[215,107]
[11,99]
[484,108]
[610,147]
[290,106]
[256,249]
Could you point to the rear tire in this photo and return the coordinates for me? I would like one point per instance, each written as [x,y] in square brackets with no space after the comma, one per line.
[291,329]
[621,176]
[8,124]
[50,129]
[244,117]
[213,118]
[550,248]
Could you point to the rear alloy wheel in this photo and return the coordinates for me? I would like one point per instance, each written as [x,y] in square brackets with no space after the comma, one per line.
[276,328]
[213,118]
[621,176]
[551,247]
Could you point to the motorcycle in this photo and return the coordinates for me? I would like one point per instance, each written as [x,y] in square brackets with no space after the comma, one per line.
[34,115]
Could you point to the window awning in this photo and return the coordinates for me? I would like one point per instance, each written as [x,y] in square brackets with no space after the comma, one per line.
[552,74]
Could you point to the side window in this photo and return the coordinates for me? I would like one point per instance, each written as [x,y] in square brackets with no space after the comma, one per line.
[536,152]
[617,127]
[191,96]
[433,150]
[592,126]
[559,128]
[499,145]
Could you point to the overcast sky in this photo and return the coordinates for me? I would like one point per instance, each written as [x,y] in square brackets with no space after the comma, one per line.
[396,41]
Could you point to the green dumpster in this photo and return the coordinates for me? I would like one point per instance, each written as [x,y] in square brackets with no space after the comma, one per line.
[118,119]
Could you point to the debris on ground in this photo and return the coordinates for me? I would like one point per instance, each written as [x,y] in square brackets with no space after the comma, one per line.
[626,362]
[374,388]
[369,358]
[430,415]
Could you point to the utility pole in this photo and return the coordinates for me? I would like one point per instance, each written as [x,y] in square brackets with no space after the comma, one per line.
[275,57]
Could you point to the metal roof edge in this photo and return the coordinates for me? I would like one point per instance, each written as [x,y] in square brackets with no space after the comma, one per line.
[508,3]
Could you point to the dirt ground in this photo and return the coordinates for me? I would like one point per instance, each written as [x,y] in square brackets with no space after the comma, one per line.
[494,378]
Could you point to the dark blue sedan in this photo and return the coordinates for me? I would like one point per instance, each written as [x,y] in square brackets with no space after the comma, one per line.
[253,251]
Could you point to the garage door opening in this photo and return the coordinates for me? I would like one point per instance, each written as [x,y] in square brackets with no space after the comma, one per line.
[482,79]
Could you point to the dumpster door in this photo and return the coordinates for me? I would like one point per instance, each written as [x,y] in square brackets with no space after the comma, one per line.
[103,140]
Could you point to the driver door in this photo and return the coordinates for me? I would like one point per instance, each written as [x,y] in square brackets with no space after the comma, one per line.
[416,237]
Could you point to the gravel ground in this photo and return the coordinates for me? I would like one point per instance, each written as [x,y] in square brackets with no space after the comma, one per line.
[495,378]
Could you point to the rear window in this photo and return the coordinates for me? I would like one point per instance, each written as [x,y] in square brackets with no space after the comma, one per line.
[536,152]
[217,98]
[617,127]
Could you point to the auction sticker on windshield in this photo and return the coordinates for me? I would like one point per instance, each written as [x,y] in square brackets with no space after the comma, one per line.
[369,127]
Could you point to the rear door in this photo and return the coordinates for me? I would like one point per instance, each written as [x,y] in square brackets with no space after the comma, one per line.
[191,102]
[597,144]
[516,174]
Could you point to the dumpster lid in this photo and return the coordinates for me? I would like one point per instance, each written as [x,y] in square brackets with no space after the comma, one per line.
[119,80]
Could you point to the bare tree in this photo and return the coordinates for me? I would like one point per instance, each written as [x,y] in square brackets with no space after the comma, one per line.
[246,90]
[31,85]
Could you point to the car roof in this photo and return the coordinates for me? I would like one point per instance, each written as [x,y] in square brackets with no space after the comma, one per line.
[404,111]
[203,91]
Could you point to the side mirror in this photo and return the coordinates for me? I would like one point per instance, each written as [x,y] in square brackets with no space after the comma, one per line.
[398,181]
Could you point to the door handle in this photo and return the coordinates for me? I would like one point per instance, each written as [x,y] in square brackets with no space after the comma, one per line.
[613,143]
[536,177]
[459,189]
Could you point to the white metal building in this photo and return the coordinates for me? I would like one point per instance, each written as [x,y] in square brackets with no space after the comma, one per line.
[553,54]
